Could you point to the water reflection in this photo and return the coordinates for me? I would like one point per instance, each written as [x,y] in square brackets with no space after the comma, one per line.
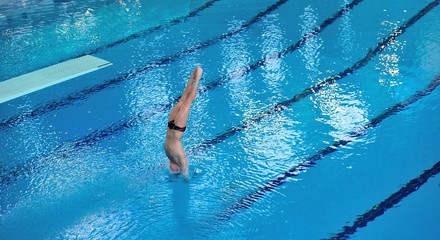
[274,70]
[141,97]
[78,27]
[27,141]
[276,139]
[341,108]
[428,51]
[142,94]
[112,224]
[236,58]
[346,35]
[43,34]
[310,52]
[389,58]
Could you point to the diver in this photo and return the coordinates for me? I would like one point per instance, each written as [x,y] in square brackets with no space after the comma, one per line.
[177,126]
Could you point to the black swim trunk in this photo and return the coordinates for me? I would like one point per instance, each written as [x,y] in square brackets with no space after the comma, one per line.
[173,126]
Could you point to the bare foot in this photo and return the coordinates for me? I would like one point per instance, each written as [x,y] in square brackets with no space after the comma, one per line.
[197,73]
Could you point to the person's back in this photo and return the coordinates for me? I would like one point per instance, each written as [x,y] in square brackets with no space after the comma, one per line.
[174,151]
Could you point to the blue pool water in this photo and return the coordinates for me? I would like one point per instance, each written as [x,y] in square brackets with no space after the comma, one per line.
[314,120]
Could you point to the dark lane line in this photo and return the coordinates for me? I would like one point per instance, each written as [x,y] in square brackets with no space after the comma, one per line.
[7,177]
[281,106]
[379,209]
[246,201]
[321,27]
[83,94]
[145,32]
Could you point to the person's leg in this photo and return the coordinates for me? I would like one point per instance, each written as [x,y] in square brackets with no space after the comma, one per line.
[184,106]
[175,111]
[191,85]
[188,95]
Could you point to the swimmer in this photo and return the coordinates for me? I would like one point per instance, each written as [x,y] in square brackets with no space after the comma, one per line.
[177,125]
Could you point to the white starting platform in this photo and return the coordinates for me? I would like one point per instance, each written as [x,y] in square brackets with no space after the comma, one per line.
[46,77]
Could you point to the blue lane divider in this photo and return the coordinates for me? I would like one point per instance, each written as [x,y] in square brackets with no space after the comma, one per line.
[395,198]
[247,200]
[7,177]
[81,95]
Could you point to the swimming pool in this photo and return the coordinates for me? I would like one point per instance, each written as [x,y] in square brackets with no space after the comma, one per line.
[315,119]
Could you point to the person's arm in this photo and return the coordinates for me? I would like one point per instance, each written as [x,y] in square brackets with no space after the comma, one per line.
[184,168]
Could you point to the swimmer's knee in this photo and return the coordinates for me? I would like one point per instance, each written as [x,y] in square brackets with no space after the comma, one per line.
[179,104]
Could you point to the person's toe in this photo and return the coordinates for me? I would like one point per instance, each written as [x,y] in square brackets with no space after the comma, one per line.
[198,72]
